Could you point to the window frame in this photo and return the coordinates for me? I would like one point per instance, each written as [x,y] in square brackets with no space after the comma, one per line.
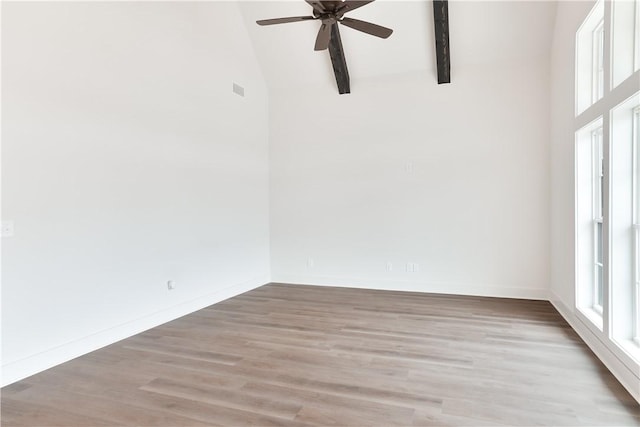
[586,90]
[636,222]
[597,176]
[636,39]
[597,62]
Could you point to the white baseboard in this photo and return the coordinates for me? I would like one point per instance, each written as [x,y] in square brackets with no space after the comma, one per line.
[629,379]
[20,369]
[483,290]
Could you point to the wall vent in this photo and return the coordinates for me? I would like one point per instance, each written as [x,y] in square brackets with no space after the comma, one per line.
[238,90]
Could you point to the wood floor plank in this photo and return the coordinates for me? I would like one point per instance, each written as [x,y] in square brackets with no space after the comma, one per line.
[25,413]
[228,398]
[352,410]
[302,355]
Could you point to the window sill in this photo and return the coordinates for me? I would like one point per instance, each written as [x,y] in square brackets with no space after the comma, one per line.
[593,317]
[631,347]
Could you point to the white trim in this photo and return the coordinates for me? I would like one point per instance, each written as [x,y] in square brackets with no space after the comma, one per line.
[597,62]
[636,38]
[626,373]
[591,318]
[635,204]
[20,369]
[451,288]
[598,208]
[636,166]
[603,107]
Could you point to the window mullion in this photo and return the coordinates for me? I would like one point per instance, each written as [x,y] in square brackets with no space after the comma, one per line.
[635,191]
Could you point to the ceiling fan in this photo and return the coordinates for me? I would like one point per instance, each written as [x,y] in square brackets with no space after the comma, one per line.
[331,12]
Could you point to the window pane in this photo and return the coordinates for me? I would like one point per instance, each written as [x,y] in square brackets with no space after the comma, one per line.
[599,287]
[625,44]
[599,243]
[597,173]
[621,274]
[598,62]
[590,59]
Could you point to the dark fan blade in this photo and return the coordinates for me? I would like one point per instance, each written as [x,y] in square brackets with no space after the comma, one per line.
[284,20]
[349,5]
[324,36]
[367,27]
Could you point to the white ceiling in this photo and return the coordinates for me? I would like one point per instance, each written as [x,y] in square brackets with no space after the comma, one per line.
[481,32]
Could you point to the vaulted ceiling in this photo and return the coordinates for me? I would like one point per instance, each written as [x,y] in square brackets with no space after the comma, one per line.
[481,32]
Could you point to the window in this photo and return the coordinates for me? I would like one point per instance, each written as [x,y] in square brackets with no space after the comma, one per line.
[608,176]
[623,222]
[590,210]
[625,24]
[590,66]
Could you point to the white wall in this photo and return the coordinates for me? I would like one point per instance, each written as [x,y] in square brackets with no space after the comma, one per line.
[472,210]
[562,246]
[127,161]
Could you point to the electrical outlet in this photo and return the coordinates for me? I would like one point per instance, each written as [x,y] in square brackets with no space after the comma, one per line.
[389,267]
[171,285]
[309,263]
[7,229]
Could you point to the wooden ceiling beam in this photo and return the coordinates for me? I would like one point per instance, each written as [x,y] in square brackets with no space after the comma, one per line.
[441,26]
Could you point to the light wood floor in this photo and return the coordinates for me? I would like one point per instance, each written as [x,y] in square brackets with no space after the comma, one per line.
[299,355]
